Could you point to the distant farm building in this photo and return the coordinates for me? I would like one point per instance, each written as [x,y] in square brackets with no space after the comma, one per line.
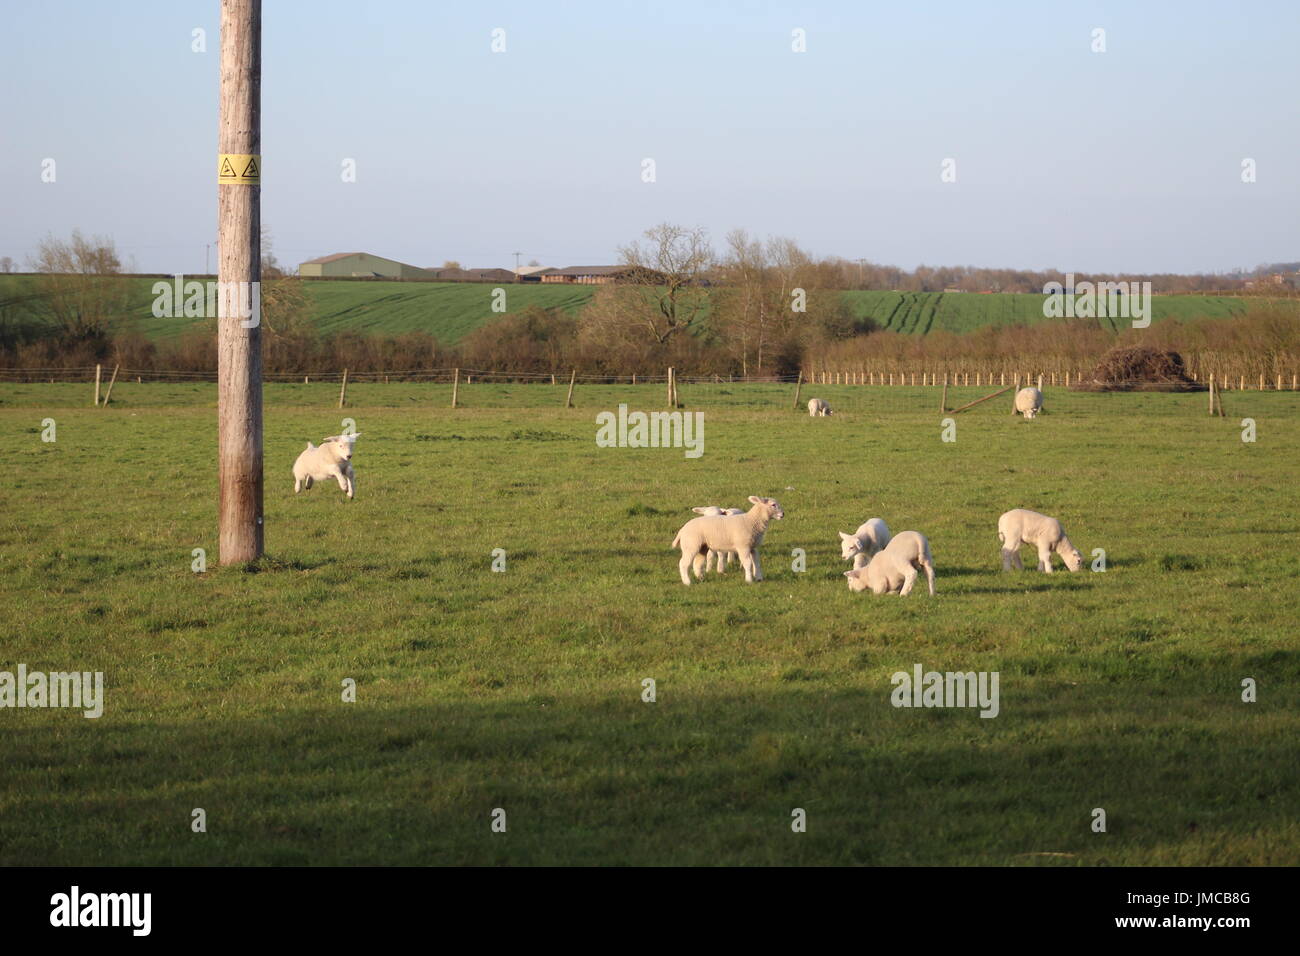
[589,275]
[471,275]
[359,264]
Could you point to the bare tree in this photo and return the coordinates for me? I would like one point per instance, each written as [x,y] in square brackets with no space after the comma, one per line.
[6,264]
[667,279]
[81,285]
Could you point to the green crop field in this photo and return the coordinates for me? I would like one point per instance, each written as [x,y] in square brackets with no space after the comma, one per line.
[450,310]
[923,312]
[523,690]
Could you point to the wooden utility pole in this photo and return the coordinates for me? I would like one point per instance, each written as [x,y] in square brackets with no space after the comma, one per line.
[239,268]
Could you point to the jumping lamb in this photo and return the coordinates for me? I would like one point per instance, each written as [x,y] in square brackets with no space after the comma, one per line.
[894,569]
[817,408]
[331,459]
[863,544]
[1029,402]
[1020,526]
[741,533]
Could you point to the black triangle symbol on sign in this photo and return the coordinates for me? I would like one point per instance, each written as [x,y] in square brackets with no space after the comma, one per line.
[227,169]
[250,171]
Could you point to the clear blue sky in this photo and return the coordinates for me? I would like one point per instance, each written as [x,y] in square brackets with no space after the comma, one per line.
[1123,161]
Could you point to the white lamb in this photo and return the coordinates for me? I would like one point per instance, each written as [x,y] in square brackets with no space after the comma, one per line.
[863,544]
[1029,402]
[817,408]
[894,569]
[741,533]
[331,459]
[717,560]
[1021,526]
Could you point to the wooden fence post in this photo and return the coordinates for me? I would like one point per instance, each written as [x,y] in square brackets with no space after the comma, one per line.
[455,388]
[943,402]
[573,377]
[98,370]
[109,394]
[1015,389]
[1211,393]
[798,385]
[343,390]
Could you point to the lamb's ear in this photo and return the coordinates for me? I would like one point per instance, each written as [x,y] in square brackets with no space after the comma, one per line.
[756,500]
[843,536]
[354,437]
[310,446]
[699,511]
[851,574]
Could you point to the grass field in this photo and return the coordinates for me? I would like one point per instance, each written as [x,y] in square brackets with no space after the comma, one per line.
[450,310]
[522,690]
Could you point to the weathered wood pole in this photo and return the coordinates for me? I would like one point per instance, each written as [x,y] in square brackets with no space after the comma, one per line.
[1016,386]
[239,267]
[943,402]
[343,389]
[798,387]
[568,399]
[99,369]
[455,388]
[1211,393]
[108,394]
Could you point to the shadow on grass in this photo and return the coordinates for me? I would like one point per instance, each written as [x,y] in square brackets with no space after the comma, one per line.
[691,779]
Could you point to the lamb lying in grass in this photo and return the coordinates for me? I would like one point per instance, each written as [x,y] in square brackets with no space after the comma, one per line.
[1029,401]
[863,544]
[741,533]
[817,408]
[894,569]
[717,560]
[1021,526]
[331,459]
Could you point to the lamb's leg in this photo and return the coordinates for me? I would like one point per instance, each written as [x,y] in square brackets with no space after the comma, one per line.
[929,575]
[297,485]
[308,482]
[1018,564]
[341,478]
[758,567]
[1045,558]
[747,562]
[698,562]
[710,563]
[1006,559]
[909,579]
[684,567]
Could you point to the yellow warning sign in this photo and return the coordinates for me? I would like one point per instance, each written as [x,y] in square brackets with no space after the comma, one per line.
[239,169]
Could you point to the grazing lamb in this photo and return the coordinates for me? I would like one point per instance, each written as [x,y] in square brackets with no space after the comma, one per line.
[1020,526]
[717,560]
[331,459]
[817,408]
[1029,402]
[741,533]
[863,544]
[894,569]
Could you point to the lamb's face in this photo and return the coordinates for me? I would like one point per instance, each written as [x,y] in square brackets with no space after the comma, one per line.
[849,546]
[857,580]
[1073,559]
[343,448]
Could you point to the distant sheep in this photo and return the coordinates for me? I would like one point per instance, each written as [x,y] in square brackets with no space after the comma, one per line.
[894,569]
[331,459]
[717,560]
[741,533]
[1021,526]
[1029,402]
[862,545]
[817,408]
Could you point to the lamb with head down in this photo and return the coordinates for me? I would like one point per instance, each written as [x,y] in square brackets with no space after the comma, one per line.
[894,570]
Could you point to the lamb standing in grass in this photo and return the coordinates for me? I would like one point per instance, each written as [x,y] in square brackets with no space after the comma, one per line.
[331,459]
[894,569]
[1029,401]
[717,560]
[1021,526]
[863,545]
[817,408]
[741,533]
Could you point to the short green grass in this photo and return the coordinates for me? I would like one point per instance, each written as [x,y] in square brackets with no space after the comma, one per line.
[522,690]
